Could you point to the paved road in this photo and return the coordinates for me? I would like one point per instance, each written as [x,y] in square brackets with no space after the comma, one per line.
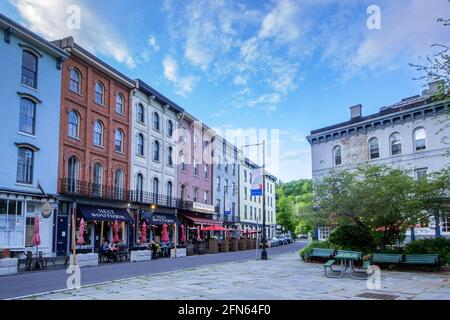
[25,284]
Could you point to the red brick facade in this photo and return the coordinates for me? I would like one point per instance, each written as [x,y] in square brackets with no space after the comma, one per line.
[84,149]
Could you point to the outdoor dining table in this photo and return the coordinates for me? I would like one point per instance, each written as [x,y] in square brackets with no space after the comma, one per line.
[347,263]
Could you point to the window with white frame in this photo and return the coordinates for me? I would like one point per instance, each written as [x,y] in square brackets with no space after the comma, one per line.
[420,139]
[337,156]
[374,149]
[396,144]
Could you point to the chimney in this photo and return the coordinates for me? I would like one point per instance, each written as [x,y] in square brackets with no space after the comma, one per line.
[356,111]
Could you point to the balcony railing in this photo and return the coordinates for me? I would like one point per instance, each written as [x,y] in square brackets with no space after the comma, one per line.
[92,190]
[232,219]
[153,198]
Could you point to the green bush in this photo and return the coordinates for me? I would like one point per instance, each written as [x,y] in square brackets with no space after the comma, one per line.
[306,251]
[440,246]
[352,237]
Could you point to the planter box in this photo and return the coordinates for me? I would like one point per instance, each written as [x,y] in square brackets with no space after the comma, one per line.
[248,244]
[8,266]
[190,250]
[140,255]
[234,245]
[242,245]
[181,253]
[213,246]
[86,260]
[225,246]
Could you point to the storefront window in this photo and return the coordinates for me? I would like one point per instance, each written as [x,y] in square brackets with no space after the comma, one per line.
[11,224]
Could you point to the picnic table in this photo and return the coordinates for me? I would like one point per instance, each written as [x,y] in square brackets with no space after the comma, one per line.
[346,259]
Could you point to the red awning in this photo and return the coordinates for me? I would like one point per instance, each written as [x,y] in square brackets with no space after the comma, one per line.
[203,221]
[213,228]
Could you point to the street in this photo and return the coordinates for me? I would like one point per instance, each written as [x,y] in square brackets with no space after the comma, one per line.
[32,283]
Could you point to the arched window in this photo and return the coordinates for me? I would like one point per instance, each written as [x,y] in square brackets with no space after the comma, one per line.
[420,139]
[139,183]
[99,93]
[195,194]
[29,69]
[120,104]
[170,156]
[205,171]
[118,184]
[155,121]
[74,81]
[140,114]
[155,190]
[119,140]
[183,192]
[25,166]
[155,186]
[183,163]
[73,170]
[98,133]
[140,145]
[374,149]
[169,128]
[155,151]
[337,156]
[97,180]
[396,144]
[74,125]
[169,189]
[27,118]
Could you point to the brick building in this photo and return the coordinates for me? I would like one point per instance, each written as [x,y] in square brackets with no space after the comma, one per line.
[94,148]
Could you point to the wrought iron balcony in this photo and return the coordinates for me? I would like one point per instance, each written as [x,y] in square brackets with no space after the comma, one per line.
[92,190]
[144,197]
[232,219]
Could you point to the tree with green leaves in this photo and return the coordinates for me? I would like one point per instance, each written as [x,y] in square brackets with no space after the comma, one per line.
[377,198]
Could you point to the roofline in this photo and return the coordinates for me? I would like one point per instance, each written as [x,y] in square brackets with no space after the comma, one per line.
[147,89]
[22,32]
[418,104]
[69,45]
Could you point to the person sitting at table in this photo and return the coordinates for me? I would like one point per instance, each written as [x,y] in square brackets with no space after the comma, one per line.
[104,249]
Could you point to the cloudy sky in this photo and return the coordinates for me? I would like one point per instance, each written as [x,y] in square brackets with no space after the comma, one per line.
[287,65]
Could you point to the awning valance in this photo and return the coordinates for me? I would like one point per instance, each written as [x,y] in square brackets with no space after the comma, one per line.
[91,213]
[159,219]
[203,221]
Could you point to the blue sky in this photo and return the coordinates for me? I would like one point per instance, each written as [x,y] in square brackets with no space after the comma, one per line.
[291,65]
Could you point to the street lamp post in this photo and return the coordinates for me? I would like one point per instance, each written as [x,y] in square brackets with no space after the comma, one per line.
[263,240]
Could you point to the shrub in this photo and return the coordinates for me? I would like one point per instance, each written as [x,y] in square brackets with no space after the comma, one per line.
[352,237]
[440,246]
[306,251]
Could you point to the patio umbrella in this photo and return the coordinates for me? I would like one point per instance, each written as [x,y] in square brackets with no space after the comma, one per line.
[229,234]
[80,238]
[239,233]
[36,236]
[144,233]
[199,238]
[116,232]
[183,234]
[165,234]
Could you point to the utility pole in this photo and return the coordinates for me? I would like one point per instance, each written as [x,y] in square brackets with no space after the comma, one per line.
[264,241]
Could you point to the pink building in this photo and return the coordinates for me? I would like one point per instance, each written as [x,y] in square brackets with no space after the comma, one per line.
[194,173]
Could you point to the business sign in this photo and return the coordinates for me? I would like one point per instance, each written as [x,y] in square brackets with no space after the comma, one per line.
[47,210]
[203,207]
[257,183]
[91,213]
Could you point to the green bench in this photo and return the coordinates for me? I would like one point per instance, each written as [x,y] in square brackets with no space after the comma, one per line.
[384,258]
[321,253]
[344,252]
[422,259]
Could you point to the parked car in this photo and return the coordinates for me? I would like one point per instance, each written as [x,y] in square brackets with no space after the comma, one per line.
[274,242]
[282,240]
[303,237]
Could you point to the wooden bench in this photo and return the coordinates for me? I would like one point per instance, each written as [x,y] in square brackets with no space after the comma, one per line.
[321,253]
[383,258]
[422,259]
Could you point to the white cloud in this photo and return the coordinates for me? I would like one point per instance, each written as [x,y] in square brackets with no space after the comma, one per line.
[152,43]
[49,18]
[282,22]
[183,85]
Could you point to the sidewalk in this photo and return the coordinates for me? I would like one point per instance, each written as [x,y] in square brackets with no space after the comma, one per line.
[282,277]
